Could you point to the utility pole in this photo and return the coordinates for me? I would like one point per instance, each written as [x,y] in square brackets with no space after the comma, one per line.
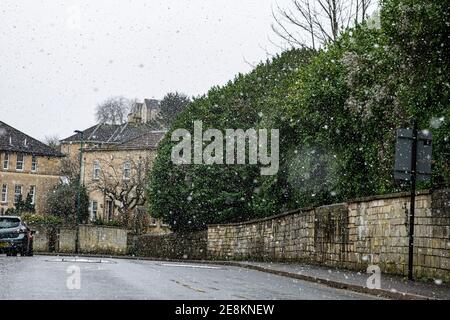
[412,208]
[412,163]
[80,185]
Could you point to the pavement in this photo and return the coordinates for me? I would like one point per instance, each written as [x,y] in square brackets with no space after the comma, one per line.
[229,280]
[49,277]
[391,286]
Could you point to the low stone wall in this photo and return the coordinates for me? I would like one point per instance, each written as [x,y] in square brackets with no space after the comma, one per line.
[66,240]
[92,239]
[190,246]
[351,235]
[41,238]
[95,239]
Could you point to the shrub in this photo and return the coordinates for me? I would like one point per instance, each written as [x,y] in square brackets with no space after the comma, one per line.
[337,111]
[110,223]
[46,220]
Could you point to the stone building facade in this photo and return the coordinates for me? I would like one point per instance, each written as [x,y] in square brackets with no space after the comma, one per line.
[104,135]
[116,159]
[145,112]
[27,166]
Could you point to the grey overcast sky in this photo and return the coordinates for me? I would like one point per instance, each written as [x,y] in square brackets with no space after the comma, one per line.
[58,59]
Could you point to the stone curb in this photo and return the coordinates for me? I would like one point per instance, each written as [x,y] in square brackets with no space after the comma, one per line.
[382,293]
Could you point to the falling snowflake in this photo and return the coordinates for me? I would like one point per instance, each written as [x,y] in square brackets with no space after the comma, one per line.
[435,122]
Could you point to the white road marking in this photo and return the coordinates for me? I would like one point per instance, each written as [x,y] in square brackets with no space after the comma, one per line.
[80,260]
[188,266]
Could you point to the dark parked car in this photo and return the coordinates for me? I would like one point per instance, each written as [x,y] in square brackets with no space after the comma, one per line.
[15,237]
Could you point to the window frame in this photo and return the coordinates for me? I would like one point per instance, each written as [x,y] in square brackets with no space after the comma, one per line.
[6,160]
[94,213]
[22,162]
[127,168]
[33,194]
[4,194]
[96,170]
[16,195]
[34,163]
[109,206]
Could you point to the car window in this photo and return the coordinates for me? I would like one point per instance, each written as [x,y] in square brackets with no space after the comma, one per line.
[9,223]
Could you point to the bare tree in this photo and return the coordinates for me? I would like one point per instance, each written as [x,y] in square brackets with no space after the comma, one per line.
[133,105]
[322,21]
[70,169]
[52,141]
[113,110]
[125,189]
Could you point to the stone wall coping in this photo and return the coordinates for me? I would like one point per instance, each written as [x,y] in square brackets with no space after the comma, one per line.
[301,210]
[71,227]
[101,226]
[173,234]
[389,196]
[281,215]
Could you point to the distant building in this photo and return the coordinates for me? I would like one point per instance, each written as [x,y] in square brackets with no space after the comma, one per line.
[27,166]
[145,112]
[116,159]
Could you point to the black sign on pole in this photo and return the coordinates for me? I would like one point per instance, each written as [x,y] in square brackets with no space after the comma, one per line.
[412,163]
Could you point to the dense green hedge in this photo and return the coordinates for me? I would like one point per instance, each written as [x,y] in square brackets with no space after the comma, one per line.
[337,111]
[47,220]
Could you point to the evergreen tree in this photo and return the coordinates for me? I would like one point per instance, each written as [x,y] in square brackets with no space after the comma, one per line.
[337,110]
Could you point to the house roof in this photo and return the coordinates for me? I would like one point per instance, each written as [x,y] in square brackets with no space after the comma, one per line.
[128,136]
[148,140]
[97,133]
[110,133]
[130,131]
[13,140]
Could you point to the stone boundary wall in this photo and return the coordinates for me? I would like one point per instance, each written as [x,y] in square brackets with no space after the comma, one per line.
[66,240]
[190,246]
[92,239]
[41,238]
[351,235]
[100,239]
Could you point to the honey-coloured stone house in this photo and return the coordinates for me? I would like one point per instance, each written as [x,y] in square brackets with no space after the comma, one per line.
[27,166]
[117,156]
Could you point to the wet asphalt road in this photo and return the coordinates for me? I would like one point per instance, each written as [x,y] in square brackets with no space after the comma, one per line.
[45,277]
